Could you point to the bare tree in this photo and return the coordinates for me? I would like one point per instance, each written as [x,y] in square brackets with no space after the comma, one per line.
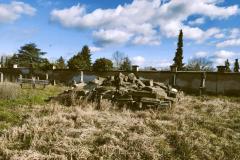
[200,64]
[118,58]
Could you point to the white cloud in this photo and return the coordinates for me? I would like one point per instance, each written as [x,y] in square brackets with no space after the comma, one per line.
[144,20]
[68,17]
[201,54]
[198,34]
[48,3]
[138,60]
[197,21]
[219,35]
[157,63]
[219,57]
[224,54]
[234,33]
[150,40]
[232,38]
[104,37]
[228,43]
[13,11]
[95,49]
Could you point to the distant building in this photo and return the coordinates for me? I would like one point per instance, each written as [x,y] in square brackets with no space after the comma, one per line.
[135,68]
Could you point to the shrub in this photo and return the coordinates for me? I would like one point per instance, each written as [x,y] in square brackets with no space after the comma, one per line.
[102,64]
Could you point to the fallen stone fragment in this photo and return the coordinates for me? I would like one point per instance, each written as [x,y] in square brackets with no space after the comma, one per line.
[139,83]
[132,77]
[79,85]
[148,82]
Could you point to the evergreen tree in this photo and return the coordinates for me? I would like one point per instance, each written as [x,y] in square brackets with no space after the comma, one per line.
[126,64]
[102,64]
[60,63]
[227,65]
[75,62]
[236,66]
[178,59]
[82,60]
[29,56]
[86,53]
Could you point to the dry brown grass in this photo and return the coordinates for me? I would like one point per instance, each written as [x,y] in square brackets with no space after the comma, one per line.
[9,90]
[193,129]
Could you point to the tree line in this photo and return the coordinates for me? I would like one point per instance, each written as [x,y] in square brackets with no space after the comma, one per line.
[197,64]
[31,56]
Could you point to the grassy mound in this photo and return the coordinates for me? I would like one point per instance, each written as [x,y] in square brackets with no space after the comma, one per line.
[195,128]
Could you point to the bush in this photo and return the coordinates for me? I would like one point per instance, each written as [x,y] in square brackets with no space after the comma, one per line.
[9,90]
[102,64]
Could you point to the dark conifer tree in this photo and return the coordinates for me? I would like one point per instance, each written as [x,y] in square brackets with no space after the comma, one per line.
[227,65]
[178,59]
[60,63]
[86,54]
[82,60]
[236,66]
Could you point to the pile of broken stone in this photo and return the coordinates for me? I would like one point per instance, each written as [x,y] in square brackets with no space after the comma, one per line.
[121,90]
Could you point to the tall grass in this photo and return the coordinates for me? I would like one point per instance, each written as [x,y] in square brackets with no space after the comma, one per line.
[14,102]
[9,90]
[193,129]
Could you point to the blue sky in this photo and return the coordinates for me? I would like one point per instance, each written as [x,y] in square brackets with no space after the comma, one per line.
[145,30]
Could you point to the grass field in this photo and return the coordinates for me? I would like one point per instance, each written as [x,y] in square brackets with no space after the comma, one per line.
[14,101]
[195,128]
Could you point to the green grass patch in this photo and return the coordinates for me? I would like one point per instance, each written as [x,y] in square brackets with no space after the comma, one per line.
[12,108]
[31,96]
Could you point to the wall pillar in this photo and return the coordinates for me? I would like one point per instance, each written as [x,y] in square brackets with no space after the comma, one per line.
[33,82]
[1,77]
[81,80]
[20,80]
[174,80]
[135,68]
[202,85]
[54,82]
[173,68]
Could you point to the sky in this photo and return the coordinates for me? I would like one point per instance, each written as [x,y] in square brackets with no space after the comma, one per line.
[144,30]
